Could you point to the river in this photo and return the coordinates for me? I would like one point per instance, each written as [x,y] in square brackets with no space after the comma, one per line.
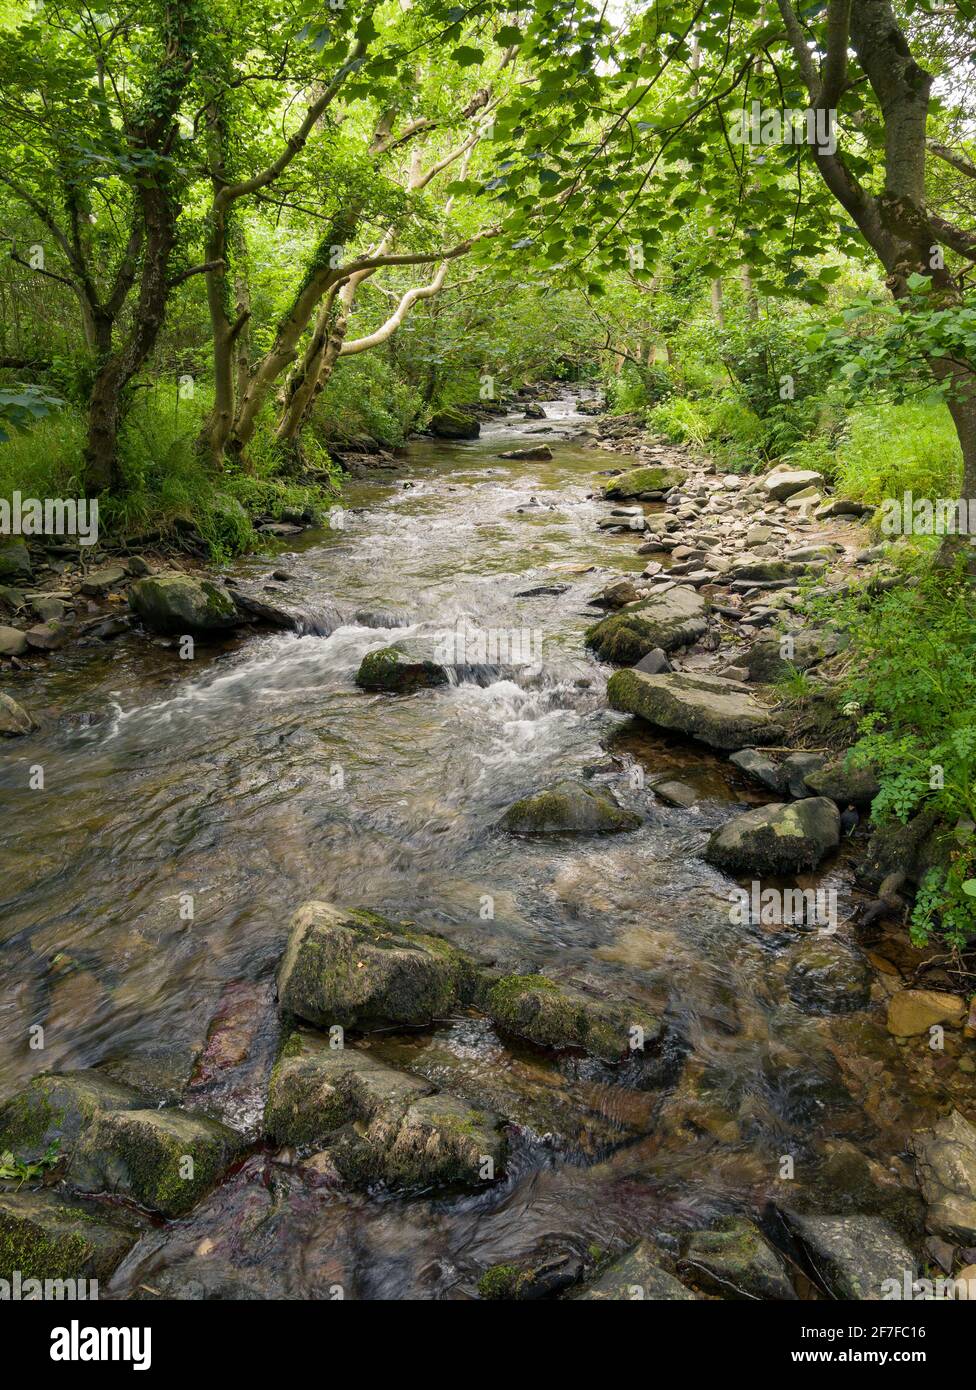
[188,807]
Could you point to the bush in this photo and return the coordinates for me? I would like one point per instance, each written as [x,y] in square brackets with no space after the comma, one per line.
[913,690]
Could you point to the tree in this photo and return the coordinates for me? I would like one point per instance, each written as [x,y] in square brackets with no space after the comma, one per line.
[634,125]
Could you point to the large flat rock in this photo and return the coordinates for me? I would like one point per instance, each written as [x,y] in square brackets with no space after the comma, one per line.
[722,713]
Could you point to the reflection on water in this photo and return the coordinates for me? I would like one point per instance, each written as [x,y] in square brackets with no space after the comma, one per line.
[258,776]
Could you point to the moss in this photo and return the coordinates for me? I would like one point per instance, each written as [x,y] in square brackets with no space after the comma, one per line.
[534,1008]
[389,670]
[638,481]
[377,670]
[141,1152]
[500,1282]
[26,1247]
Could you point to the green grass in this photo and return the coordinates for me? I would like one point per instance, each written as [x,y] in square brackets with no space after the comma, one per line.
[166,485]
[886,449]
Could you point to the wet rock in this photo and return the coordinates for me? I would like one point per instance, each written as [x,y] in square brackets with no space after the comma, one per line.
[112,1144]
[98,582]
[613,595]
[356,969]
[15,562]
[643,482]
[826,976]
[532,411]
[539,1275]
[569,809]
[675,793]
[377,1123]
[553,1015]
[454,424]
[538,452]
[914,1011]
[47,1236]
[178,603]
[782,483]
[762,768]
[854,1257]
[255,609]
[12,642]
[722,713]
[316,1088]
[56,1107]
[666,620]
[390,670]
[856,786]
[164,1159]
[945,1162]
[776,839]
[795,769]
[735,1262]
[638,1275]
[48,637]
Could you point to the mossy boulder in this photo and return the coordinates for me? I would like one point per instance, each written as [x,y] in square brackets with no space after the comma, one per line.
[316,1088]
[781,838]
[113,1142]
[569,809]
[722,713]
[643,482]
[378,1123]
[58,1107]
[638,1275]
[358,970]
[541,1273]
[15,722]
[663,620]
[391,670]
[735,1262]
[46,1236]
[555,1016]
[178,603]
[164,1159]
[454,424]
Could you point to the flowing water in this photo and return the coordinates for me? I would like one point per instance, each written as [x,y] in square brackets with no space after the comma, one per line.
[257,776]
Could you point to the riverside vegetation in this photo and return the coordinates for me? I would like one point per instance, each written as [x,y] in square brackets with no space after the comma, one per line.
[342,961]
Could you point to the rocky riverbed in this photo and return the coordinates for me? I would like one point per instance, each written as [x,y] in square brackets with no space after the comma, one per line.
[387,940]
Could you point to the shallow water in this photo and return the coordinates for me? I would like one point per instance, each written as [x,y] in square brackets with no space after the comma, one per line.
[258,776]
